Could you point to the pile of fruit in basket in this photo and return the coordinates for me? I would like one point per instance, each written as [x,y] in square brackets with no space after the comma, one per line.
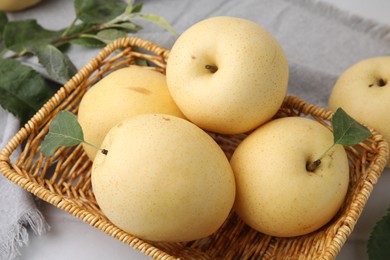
[159,175]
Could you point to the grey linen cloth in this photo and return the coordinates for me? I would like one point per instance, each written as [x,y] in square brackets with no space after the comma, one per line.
[319,40]
[17,208]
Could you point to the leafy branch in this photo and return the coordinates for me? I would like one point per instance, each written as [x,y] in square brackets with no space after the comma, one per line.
[97,22]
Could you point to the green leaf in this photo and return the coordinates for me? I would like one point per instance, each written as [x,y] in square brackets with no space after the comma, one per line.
[101,38]
[98,11]
[23,91]
[64,130]
[157,20]
[110,35]
[85,39]
[128,27]
[57,64]
[378,246]
[88,40]
[19,35]
[124,20]
[78,28]
[346,130]
[3,22]
[137,8]
[133,9]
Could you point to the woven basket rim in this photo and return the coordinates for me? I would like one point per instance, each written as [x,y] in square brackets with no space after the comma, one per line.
[8,169]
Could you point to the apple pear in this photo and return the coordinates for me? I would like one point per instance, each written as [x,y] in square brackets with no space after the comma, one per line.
[227,74]
[122,94]
[363,91]
[276,193]
[163,179]
[17,5]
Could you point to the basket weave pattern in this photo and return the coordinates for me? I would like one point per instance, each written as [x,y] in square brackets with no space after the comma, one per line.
[64,179]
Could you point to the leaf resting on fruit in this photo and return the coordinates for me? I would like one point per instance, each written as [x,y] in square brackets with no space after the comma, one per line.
[346,131]
[64,130]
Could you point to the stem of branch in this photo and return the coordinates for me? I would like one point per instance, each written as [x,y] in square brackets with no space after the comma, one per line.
[70,27]
[22,53]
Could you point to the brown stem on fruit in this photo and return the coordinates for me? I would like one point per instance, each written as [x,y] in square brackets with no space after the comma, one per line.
[312,166]
[104,151]
[381,82]
[211,68]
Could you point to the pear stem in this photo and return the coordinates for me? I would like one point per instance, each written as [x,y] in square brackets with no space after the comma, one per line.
[211,68]
[312,166]
[103,151]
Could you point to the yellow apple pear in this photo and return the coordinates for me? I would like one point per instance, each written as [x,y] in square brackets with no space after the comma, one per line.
[163,179]
[363,91]
[122,94]
[276,193]
[17,5]
[227,74]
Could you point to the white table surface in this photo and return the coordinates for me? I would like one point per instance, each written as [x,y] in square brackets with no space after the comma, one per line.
[70,238]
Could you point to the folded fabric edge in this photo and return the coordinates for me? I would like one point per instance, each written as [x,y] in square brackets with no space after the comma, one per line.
[353,21]
[18,235]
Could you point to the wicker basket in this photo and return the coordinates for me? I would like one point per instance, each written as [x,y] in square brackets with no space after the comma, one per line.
[64,179]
